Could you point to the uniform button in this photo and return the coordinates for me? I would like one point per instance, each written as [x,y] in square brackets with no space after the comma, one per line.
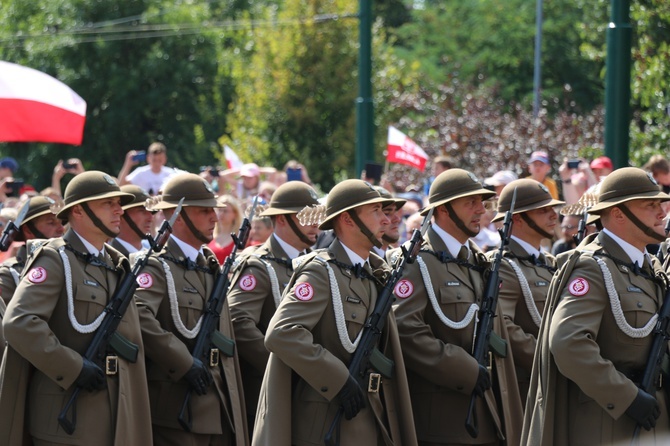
[324,389]
[171,370]
[93,297]
[353,315]
[190,302]
[59,378]
[610,406]
[639,304]
[459,297]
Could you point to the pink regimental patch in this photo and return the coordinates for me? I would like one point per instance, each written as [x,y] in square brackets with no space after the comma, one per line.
[579,286]
[304,291]
[145,280]
[37,275]
[248,282]
[404,289]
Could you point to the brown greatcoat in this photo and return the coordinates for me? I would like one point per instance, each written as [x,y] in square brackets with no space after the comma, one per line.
[581,382]
[252,303]
[441,370]
[221,409]
[38,328]
[303,339]
[521,326]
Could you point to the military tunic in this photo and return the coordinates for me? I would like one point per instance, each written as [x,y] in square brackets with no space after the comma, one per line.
[525,283]
[38,327]
[169,311]
[586,362]
[256,287]
[442,372]
[303,336]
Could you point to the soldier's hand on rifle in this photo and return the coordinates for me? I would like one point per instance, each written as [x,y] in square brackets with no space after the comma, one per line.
[644,410]
[199,377]
[483,381]
[351,398]
[91,377]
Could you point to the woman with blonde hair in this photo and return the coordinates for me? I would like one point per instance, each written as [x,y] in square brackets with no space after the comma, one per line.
[229,221]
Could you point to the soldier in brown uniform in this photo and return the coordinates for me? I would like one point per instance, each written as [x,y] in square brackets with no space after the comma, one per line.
[314,333]
[172,296]
[598,328]
[136,222]
[259,278]
[39,223]
[393,210]
[438,300]
[51,320]
[526,270]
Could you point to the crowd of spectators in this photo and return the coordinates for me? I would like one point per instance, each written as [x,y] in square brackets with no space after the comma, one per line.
[236,187]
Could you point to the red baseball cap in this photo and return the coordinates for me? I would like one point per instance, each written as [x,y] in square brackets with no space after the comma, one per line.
[602,162]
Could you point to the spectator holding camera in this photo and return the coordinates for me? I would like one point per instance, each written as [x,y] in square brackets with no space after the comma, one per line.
[296,171]
[72,166]
[150,177]
[576,178]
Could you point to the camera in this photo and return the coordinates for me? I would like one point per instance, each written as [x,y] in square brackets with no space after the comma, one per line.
[573,164]
[15,186]
[213,171]
[67,165]
[140,156]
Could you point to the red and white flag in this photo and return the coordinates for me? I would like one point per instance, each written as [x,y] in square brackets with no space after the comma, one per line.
[232,159]
[35,107]
[402,150]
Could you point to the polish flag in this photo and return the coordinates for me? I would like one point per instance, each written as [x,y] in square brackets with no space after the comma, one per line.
[402,150]
[232,159]
[35,107]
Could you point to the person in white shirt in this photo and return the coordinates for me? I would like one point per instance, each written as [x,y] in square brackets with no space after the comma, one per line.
[150,177]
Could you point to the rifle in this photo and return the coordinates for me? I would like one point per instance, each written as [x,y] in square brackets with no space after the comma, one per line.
[209,334]
[366,353]
[658,348]
[487,313]
[581,229]
[106,336]
[13,228]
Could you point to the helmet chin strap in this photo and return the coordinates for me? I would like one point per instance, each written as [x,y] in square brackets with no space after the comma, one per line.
[529,221]
[36,232]
[644,228]
[96,221]
[458,221]
[133,226]
[366,232]
[199,235]
[303,238]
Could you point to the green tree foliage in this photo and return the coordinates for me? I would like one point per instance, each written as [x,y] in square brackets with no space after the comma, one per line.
[148,69]
[650,131]
[296,87]
[491,43]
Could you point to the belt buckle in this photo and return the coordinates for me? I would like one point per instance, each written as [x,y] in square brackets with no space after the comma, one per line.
[111,365]
[214,357]
[374,382]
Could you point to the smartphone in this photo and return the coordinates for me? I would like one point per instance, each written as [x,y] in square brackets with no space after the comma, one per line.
[15,186]
[213,171]
[573,164]
[294,174]
[140,156]
[67,165]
